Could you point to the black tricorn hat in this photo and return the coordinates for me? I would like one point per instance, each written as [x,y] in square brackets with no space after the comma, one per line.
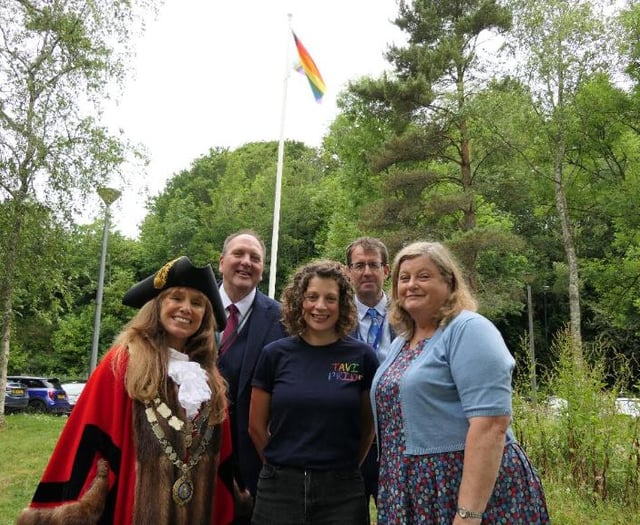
[179,272]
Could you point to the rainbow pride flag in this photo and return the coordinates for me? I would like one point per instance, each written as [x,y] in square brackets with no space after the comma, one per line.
[318,87]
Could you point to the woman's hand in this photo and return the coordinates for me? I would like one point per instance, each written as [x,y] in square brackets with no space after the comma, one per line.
[366,424]
[259,416]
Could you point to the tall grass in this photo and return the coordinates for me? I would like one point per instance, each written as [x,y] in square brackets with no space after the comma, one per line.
[588,454]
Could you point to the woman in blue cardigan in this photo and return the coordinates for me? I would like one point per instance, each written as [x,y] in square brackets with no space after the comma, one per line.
[443,406]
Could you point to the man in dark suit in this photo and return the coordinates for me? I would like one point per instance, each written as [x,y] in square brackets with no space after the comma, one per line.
[368,262]
[258,323]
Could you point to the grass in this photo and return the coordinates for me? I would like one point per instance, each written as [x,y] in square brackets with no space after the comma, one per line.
[567,507]
[27,440]
[588,453]
[26,443]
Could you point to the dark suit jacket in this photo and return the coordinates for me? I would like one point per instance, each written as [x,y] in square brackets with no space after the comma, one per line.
[262,327]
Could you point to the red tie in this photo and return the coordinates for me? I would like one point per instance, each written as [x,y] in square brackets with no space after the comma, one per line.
[231,330]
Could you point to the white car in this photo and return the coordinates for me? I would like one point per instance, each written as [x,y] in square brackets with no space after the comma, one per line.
[73,391]
[629,406]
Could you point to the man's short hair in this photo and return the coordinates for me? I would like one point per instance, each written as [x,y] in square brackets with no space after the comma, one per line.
[368,244]
[247,231]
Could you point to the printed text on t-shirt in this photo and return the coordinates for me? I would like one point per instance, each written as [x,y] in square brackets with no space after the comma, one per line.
[345,372]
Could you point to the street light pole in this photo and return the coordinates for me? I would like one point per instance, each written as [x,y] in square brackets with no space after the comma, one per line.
[108,196]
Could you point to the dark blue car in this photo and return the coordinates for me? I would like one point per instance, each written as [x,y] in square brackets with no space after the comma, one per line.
[45,394]
[15,397]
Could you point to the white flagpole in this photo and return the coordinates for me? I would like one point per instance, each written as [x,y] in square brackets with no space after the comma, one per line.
[276,205]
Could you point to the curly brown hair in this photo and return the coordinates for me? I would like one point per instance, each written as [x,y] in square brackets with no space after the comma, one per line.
[293,297]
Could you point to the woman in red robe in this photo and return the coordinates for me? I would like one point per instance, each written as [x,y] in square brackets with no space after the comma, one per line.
[149,441]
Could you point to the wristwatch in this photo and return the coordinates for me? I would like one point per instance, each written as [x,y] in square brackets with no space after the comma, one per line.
[466,513]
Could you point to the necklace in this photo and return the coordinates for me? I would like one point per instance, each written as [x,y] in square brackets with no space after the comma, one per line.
[182,489]
[162,409]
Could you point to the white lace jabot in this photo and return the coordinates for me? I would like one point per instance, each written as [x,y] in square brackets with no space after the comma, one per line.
[191,378]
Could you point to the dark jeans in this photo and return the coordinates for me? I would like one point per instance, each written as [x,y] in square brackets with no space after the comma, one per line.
[291,496]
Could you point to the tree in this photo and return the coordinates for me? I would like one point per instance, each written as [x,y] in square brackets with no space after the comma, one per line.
[560,44]
[359,130]
[433,185]
[56,61]
[226,191]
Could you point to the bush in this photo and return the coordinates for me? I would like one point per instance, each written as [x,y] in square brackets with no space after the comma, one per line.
[585,449]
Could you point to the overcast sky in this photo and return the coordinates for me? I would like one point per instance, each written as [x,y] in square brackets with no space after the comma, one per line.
[211,74]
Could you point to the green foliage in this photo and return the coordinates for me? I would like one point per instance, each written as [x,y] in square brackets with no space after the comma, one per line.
[54,330]
[561,46]
[227,191]
[581,443]
[428,184]
[57,60]
[629,40]
[442,147]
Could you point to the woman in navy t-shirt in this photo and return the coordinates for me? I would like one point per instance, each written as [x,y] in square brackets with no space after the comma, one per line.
[310,415]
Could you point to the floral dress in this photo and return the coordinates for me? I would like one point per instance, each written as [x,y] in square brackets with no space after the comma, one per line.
[424,489]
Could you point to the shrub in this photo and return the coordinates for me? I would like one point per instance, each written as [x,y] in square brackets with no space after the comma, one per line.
[582,443]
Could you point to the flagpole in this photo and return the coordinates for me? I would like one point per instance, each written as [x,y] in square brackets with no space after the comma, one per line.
[275,232]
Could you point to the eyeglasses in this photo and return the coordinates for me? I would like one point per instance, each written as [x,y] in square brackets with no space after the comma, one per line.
[360,266]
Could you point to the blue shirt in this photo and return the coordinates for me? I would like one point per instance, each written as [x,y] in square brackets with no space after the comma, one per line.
[364,322]
[463,371]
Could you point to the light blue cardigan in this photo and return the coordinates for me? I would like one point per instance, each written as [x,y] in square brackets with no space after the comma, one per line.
[464,371]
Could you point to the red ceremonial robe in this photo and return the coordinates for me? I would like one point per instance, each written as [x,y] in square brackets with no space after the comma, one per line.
[101,426]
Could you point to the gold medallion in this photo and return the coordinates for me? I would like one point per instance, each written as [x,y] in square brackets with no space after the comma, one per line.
[182,490]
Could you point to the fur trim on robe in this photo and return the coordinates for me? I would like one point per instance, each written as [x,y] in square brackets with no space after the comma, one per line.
[156,474]
[86,511]
[102,425]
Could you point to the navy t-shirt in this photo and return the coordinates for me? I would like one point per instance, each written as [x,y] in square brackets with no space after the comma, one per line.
[315,401]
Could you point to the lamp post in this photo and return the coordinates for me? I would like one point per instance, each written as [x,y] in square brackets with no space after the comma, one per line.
[545,290]
[532,349]
[108,196]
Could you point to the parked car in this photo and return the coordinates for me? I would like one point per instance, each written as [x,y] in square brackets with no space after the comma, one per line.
[15,397]
[73,390]
[629,406]
[45,394]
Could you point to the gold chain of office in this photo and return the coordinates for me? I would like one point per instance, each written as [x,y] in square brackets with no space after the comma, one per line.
[182,489]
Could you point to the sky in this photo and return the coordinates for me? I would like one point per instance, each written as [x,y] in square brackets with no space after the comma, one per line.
[212,74]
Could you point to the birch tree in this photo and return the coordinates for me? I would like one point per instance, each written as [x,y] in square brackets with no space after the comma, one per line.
[58,61]
[558,45]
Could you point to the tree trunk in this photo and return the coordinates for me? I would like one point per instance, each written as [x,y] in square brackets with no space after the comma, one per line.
[567,239]
[467,182]
[6,297]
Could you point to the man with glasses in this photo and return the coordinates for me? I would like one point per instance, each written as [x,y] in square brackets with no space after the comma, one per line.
[368,263]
